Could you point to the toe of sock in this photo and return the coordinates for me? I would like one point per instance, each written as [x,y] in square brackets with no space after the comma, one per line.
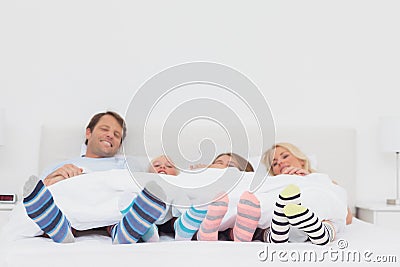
[290,191]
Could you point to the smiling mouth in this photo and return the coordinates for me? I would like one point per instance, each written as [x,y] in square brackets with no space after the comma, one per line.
[162,172]
[107,142]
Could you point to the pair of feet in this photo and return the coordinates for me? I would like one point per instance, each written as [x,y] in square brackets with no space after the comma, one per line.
[207,220]
[247,217]
[40,207]
[288,212]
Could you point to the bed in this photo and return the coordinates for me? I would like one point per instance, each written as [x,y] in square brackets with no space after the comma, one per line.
[360,242]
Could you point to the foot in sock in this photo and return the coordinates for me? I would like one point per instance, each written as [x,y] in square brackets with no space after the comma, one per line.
[248,215]
[302,218]
[279,230]
[189,222]
[40,207]
[146,209]
[209,227]
[151,235]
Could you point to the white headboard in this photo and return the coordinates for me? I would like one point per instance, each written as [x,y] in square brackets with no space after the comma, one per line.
[333,148]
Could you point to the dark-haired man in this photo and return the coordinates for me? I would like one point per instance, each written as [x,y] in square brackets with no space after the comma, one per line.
[104,135]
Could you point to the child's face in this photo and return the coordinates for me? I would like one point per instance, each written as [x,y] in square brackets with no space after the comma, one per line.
[283,159]
[162,165]
[223,162]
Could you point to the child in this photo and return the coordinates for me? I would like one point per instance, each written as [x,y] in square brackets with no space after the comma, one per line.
[248,209]
[161,165]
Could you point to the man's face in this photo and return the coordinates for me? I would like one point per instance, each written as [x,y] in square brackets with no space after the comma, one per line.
[105,139]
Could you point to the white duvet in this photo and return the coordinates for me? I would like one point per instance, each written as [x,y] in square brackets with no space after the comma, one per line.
[96,199]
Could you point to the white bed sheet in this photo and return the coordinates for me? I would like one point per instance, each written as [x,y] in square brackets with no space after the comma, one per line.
[363,239]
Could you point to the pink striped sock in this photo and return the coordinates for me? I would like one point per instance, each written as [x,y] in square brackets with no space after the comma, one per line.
[248,215]
[209,227]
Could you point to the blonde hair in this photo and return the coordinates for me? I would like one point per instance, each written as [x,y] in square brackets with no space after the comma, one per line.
[244,165]
[168,159]
[268,156]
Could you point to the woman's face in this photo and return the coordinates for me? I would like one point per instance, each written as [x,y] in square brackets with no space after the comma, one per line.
[223,162]
[163,165]
[283,159]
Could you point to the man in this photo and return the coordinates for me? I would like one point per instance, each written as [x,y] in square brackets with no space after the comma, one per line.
[104,135]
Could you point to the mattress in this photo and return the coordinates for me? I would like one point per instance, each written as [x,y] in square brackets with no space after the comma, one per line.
[359,243]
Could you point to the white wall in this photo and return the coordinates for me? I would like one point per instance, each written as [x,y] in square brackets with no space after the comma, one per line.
[319,63]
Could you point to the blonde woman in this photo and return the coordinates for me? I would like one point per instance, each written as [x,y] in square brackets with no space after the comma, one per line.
[286,158]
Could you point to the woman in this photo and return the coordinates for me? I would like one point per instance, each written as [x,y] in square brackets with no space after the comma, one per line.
[285,158]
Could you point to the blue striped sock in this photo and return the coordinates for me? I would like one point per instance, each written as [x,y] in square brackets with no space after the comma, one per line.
[145,210]
[188,223]
[40,207]
[151,235]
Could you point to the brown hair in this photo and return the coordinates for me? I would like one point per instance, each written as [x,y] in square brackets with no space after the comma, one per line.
[95,119]
[244,165]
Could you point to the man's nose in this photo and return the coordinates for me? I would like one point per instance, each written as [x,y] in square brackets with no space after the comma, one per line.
[110,134]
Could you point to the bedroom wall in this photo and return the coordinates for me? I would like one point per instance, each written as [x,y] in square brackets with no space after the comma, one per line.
[319,63]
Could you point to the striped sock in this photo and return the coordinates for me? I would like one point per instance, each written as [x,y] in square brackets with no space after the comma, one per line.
[279,230]
[188,223]
[304,219]
[209,227]
[40,207]
[248,215]
[140,218]
[151,235]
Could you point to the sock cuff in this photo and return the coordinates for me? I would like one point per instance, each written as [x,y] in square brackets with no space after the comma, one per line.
[331,230]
